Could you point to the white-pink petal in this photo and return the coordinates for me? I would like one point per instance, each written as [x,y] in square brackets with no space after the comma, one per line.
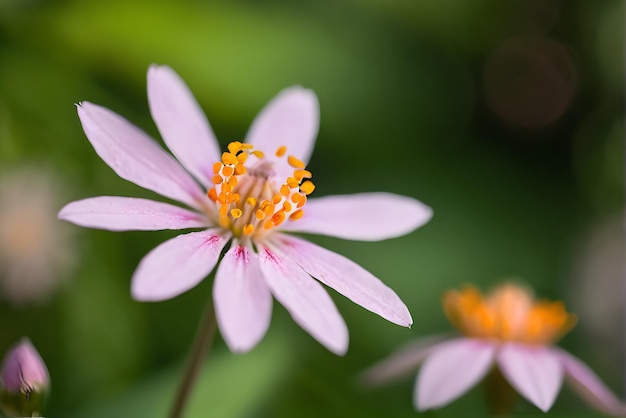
[291,119]
[587,384]
[177,265]
[116,213]
[182,123]
[305,299]
[534,371]
[362,216]
[243,302]
[451,369]
[401,363]
[346,277]
[136,157]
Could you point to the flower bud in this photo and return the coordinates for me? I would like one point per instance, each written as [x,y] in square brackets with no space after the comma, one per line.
[23,380]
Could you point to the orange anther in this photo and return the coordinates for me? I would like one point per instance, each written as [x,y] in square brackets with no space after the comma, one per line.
[212,194]
[307,187]
[296,215]
[296,197]
[281,151]
[248,229]
[242,157]
[295,163]
[228,158]
[302,174]
[240,169]
[276,199]
[217,167]
[236,213]
[247,146]
[258,154]
[233,182]
[234,147]
[217,179]
[226,188]
[251,201]
[269,209]
[302,202]
[292,182]
[284,190]
[278,217]
[223,210]
[287,206]
[268,225]
[260,215]
[228,171]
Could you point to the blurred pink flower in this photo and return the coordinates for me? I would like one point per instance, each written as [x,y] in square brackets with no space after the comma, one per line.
[36,251]
[23,370]
[508,330]
[248,196]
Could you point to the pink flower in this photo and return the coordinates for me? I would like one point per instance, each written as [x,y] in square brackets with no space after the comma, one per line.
[507,330]
[23,370]
[248,196]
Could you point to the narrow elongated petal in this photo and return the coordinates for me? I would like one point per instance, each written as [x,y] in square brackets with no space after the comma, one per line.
[136,157]
[305,299]
[534,371]
[128,213]
[243,302]
[291,119]
[587,384]
[346,277]
[402,363]
[451,369]
[182,123]
[362,216]
[177,265]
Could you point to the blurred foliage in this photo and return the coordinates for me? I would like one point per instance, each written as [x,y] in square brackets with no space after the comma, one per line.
[402,91]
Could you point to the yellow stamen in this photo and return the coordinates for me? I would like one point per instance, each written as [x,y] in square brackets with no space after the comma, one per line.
[249,200]
[228,158]
[295,163]
[281,151]
[302,174]
[228,171]
[242,157]
[509,313]
[307,187]
[292,182]
[239,170]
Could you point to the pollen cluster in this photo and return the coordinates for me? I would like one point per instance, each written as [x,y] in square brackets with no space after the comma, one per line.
[249,200]
[509,313]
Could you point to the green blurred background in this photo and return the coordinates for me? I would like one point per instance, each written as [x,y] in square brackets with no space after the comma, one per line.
[505,116]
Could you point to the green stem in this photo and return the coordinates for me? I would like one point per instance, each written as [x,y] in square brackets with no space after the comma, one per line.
[199,350]
[500,396]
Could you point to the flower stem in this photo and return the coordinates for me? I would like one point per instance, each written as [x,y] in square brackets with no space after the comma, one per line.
[199,350]
[500,396]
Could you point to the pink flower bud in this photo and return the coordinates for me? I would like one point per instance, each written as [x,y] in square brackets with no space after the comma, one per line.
[23,369]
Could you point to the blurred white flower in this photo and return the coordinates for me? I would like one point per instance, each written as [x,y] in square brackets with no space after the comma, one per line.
[35,248]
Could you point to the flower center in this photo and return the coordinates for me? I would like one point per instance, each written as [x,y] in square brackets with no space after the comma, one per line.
[509,313]
[249,199]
